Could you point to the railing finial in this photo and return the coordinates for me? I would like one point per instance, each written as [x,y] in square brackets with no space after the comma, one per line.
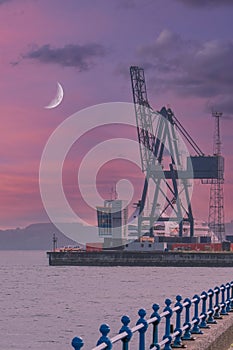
[105,329]
[224,305]
[196,329]
[77,343]
[187,333]
[211,319]
[217,304]
[228,301]
[203,323]
[155,337]
[125,328]
[142,331]
[179,306]
[168,316]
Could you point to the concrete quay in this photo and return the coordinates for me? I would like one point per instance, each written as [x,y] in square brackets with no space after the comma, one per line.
[133,258]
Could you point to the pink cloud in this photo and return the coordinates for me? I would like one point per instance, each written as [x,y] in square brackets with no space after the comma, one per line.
[29,85]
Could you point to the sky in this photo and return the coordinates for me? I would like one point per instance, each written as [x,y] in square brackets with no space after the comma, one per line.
[185,48]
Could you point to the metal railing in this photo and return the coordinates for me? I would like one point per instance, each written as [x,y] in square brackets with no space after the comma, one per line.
[211,309]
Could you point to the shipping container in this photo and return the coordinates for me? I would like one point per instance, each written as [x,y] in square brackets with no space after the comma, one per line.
[212,247]
[94,247]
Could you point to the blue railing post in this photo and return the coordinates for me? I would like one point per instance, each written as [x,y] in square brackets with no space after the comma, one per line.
[77,343]
[203,323]
[167,334]
[104,330]
[211,310]
[142,331]
[155,332]
[228,301]
[196,329]
[217,306]
[187,333]
[126,320]
[231,294]
[223,308]
[177,341]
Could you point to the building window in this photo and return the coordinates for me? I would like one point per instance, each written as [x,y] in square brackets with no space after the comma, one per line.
[142,245]
[149,245]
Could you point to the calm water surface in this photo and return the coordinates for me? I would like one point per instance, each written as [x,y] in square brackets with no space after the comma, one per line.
[44,307]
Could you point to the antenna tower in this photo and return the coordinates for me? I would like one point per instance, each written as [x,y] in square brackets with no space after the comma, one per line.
[114,194]
[216,205]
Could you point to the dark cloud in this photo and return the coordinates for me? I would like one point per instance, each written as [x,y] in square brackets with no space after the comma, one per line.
[208,3]
[78,56]
[190,67]
[224,105]
[130,4]
[126,3]
[4,1]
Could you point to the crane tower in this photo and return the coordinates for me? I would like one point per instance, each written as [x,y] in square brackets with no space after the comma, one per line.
[216,205]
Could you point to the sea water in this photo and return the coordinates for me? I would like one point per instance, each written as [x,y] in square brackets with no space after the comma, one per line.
[43,307]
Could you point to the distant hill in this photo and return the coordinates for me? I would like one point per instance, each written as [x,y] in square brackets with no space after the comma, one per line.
[39,237]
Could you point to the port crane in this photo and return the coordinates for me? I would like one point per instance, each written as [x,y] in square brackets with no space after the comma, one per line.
[158,136]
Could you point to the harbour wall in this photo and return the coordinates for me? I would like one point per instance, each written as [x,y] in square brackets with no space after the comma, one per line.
[133,258]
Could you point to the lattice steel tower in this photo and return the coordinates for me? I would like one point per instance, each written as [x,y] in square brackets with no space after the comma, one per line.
[216,206]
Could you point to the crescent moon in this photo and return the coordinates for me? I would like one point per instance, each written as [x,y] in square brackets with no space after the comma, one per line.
[58,98]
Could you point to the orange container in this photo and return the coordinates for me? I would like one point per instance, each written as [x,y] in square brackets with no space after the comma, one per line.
[211,247]
[94,247]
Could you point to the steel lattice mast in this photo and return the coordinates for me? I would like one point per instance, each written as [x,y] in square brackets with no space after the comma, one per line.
[216,206]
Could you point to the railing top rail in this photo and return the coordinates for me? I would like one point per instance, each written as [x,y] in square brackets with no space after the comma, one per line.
[100,347]
[137,328]
[185,303]
[194,300]
[163,314]
[119,337]
[152,320]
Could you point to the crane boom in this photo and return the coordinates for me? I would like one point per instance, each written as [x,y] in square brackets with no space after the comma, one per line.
[152,142]
[143,113]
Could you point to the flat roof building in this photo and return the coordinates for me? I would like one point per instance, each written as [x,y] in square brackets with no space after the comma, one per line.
[112,222]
